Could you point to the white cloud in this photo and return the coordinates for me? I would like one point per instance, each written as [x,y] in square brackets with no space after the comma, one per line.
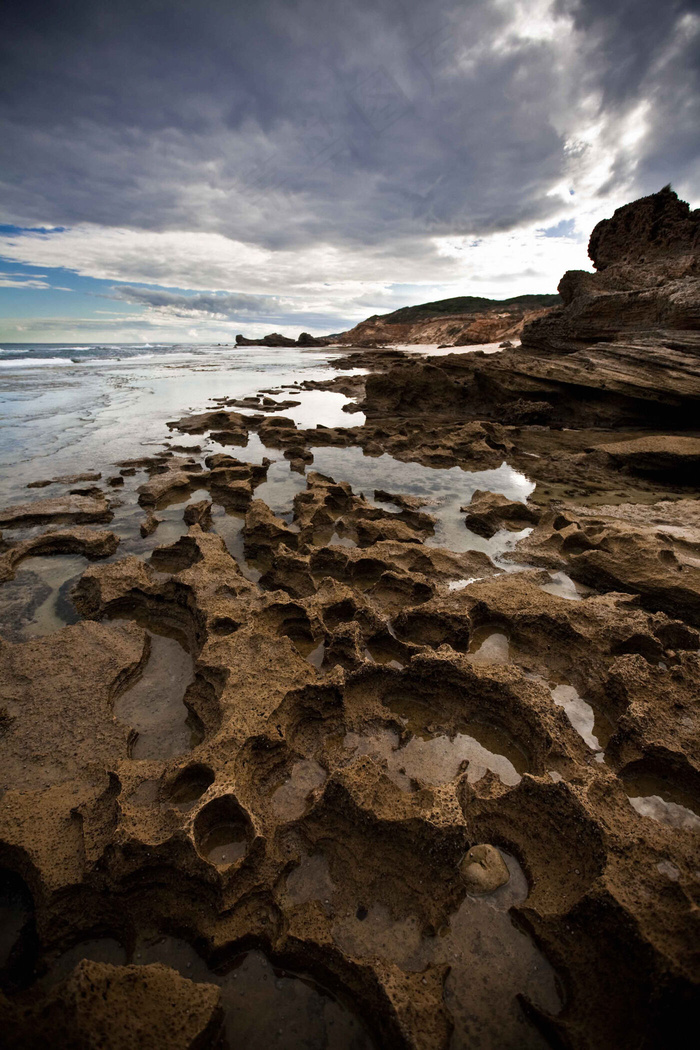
[281,178]
[532,20]
[319,289]
[9,280]
[212,262]
[322,277]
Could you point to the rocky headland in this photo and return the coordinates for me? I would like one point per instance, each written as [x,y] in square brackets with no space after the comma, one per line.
[454,786]
[622,350]
[464,321]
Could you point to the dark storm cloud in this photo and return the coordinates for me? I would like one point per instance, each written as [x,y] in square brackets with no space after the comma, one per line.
[630,35]
[648,50]
[288,122]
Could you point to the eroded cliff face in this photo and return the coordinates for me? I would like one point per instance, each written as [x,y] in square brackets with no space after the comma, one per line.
[623,350]
[452,322]
[658,234]
[646,292]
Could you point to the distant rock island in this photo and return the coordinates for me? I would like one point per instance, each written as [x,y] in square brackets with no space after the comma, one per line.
[275,339]
[461,321]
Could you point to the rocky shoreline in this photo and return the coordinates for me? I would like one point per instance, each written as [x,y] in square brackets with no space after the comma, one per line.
[464,321]
[458,790]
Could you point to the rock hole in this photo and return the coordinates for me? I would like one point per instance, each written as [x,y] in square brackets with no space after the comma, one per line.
[290,800]
[265,1006]
[222,832]
[489,645]
[662,800]
[189,785]
[37,601]
[17,932]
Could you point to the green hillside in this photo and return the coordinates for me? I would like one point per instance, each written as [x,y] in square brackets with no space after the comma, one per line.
[465,304]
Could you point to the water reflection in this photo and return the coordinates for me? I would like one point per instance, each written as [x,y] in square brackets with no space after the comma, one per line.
[661,800]
[438,758]
[290,800]
[491,961]
[445,490]
[564,587]
[37,601]
[489,645]
[154,706]
[589,723]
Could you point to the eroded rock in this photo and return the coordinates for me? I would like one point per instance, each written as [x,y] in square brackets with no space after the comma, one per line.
[91,543]
[369,705]
[61,510]
[119,1007]
[199,513]
[490,511]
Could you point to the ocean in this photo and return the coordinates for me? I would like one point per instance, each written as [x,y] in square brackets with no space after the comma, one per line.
[70,409]
[50,354]
[66,408]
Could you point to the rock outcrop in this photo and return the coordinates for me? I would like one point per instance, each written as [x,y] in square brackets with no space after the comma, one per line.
[452,322]
[623,350]
[122,1007]
[490,511]
[58,510]
[275,339]
[645,293]
[91,543]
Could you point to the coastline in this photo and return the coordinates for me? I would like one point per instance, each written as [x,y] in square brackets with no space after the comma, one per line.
[401,699]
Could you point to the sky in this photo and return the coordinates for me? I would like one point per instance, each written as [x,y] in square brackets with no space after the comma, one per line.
[173,171]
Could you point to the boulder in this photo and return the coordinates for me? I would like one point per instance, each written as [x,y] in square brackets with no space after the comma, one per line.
[150,523]
[490,511]
[484,869]
[263,530]
[199,513]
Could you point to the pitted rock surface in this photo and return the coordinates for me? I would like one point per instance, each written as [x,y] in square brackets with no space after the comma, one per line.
[464,800]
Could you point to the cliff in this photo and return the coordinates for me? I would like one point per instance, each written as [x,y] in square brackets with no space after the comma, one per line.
[623,349]
[646,288]
[460,321]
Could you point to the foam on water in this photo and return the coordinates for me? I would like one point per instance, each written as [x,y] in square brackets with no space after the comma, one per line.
[64,417]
